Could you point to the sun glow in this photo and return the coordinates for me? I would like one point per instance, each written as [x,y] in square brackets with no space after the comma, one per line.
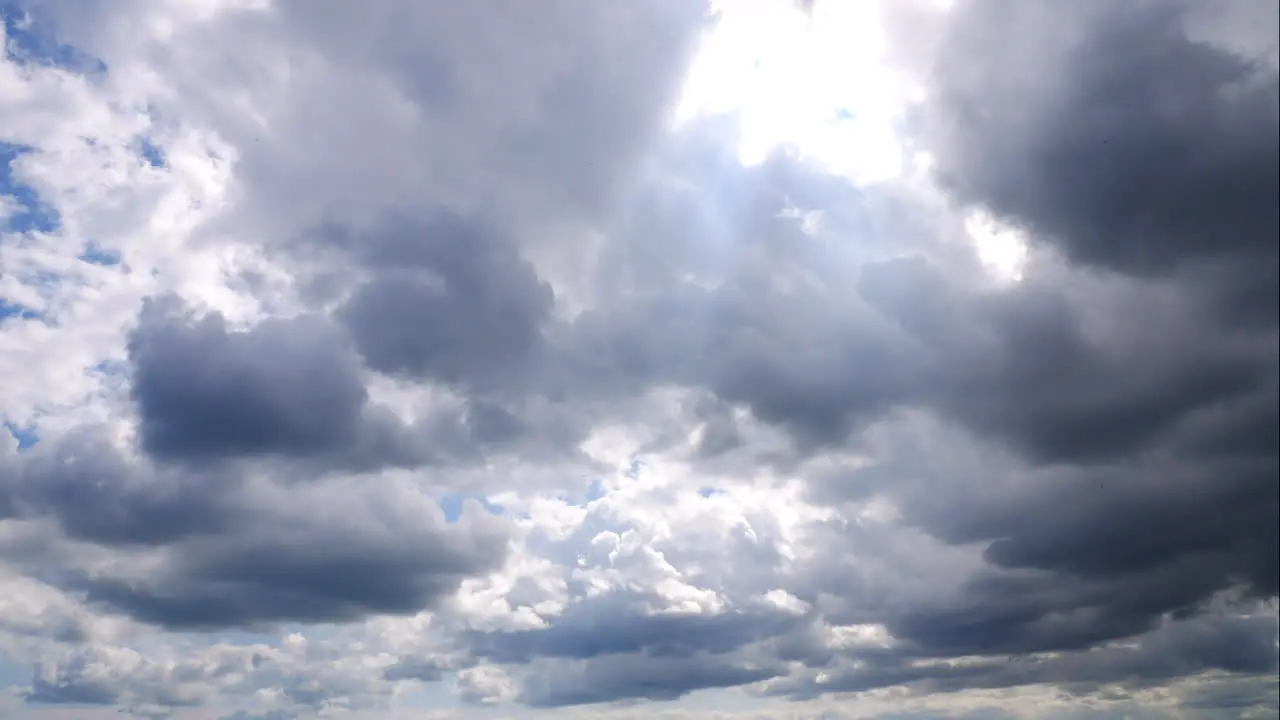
[1002,250]
[809,80]
[814,79]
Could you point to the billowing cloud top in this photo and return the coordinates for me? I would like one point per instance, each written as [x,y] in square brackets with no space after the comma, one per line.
[775,359]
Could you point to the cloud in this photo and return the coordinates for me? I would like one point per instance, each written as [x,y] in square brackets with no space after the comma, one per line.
[1127,143]
[447,302]
[221,549]
[203,392]
[285,573]
[1236,645]
[422,358]
[628,677]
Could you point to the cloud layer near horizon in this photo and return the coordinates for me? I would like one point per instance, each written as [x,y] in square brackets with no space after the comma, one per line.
[411,359]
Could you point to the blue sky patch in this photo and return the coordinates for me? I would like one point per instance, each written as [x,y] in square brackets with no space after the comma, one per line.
[95,255]
[26,437]
[635,466]
[151,153]
[32,42]
[452,504]
[110,368]
[32,213]
[16,310]
[14,675]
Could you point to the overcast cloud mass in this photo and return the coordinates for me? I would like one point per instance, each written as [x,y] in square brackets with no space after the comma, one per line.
[781,360]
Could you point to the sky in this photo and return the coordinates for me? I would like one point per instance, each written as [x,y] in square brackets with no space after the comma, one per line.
[736,359]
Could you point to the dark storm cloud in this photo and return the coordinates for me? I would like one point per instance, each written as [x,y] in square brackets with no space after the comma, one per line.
[1137,524]
[305,573]
[1150,411]
[95,495]
[576,634]
[1034,367]
[1232,644]
[240,552]
[282,566]
[293,391]
[1102,128]
[1015,614]
[448,300]
[631,677]
[205,392]
[1079,555]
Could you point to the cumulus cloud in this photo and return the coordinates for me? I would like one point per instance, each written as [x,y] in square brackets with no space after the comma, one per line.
[203,392]
[438,357]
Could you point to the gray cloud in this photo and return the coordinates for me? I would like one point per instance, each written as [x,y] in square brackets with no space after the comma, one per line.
[1242,645]
[1145,412]
[447,301]
[1040,368]
[1079,555]
[309,565]
[293,391]
[96,495]
[1083,465]
[577,633]
[98,675]
[237,550]
[638,677]
[1107,131]
[204,392]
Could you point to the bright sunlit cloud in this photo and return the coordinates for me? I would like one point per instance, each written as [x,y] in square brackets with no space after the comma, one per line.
[812,81]
[812,78]
[1002,250]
